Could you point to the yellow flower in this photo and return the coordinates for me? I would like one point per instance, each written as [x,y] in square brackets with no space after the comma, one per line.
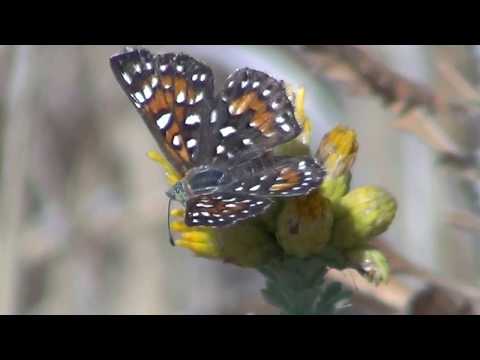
[301,144]
[170,172]
[338,150]
[304,225]
[246,244]
[361,215]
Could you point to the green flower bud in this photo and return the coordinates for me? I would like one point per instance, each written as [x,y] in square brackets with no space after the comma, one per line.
[247,245]
[335,188]
[361,215]
[304,225]
[371,263]
[292,148]
[268,220]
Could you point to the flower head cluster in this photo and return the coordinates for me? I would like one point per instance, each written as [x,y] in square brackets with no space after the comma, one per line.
[330,217]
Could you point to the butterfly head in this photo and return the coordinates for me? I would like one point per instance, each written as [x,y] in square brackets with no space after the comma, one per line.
[177,192]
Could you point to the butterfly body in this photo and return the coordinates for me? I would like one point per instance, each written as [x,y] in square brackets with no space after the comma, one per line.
[198,181]
[222,145]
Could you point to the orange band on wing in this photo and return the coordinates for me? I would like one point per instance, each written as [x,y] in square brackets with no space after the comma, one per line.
[291,179]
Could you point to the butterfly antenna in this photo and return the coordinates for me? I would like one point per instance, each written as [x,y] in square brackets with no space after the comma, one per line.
[168,223]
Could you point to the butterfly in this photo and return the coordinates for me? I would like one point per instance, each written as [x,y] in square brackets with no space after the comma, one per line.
[220,144]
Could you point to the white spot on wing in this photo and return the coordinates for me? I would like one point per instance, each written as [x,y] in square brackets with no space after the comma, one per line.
[147,91]
[286,127]
[192,119]
[247,142]
[181,97]
[220,149]
[154,82]
[213,117]
[163,68]
[164,120]
[179,68]
[177,140]
[204,205]
[127,78]
[191,143]
[266,92]
[228,130]
[255,188]
[199,97]
[137,68]
[203,77]
[139,96]
[194,77]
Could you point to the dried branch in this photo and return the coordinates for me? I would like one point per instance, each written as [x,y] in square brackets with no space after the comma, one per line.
[466,221]
[438,295]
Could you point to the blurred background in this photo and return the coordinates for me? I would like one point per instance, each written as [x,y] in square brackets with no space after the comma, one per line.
[83,211]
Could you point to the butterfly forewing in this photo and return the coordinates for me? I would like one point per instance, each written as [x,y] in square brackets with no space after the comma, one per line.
[252,115]
[223,209]
[277,176]
[173,93]
[225,141]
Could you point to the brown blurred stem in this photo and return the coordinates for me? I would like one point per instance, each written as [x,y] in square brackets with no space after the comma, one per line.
[19,115]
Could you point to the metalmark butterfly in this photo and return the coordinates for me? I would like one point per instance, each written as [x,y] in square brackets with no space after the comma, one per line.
[221,144]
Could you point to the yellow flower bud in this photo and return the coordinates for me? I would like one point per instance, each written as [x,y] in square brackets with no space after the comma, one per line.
[361,215]
[338,150]
[371,263]
[304,225]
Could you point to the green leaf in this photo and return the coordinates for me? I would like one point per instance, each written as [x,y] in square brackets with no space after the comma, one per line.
[297,286]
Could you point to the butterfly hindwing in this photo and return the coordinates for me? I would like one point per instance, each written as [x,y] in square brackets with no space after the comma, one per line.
[277,176]
[223,209]
[173,93]
[252,115]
